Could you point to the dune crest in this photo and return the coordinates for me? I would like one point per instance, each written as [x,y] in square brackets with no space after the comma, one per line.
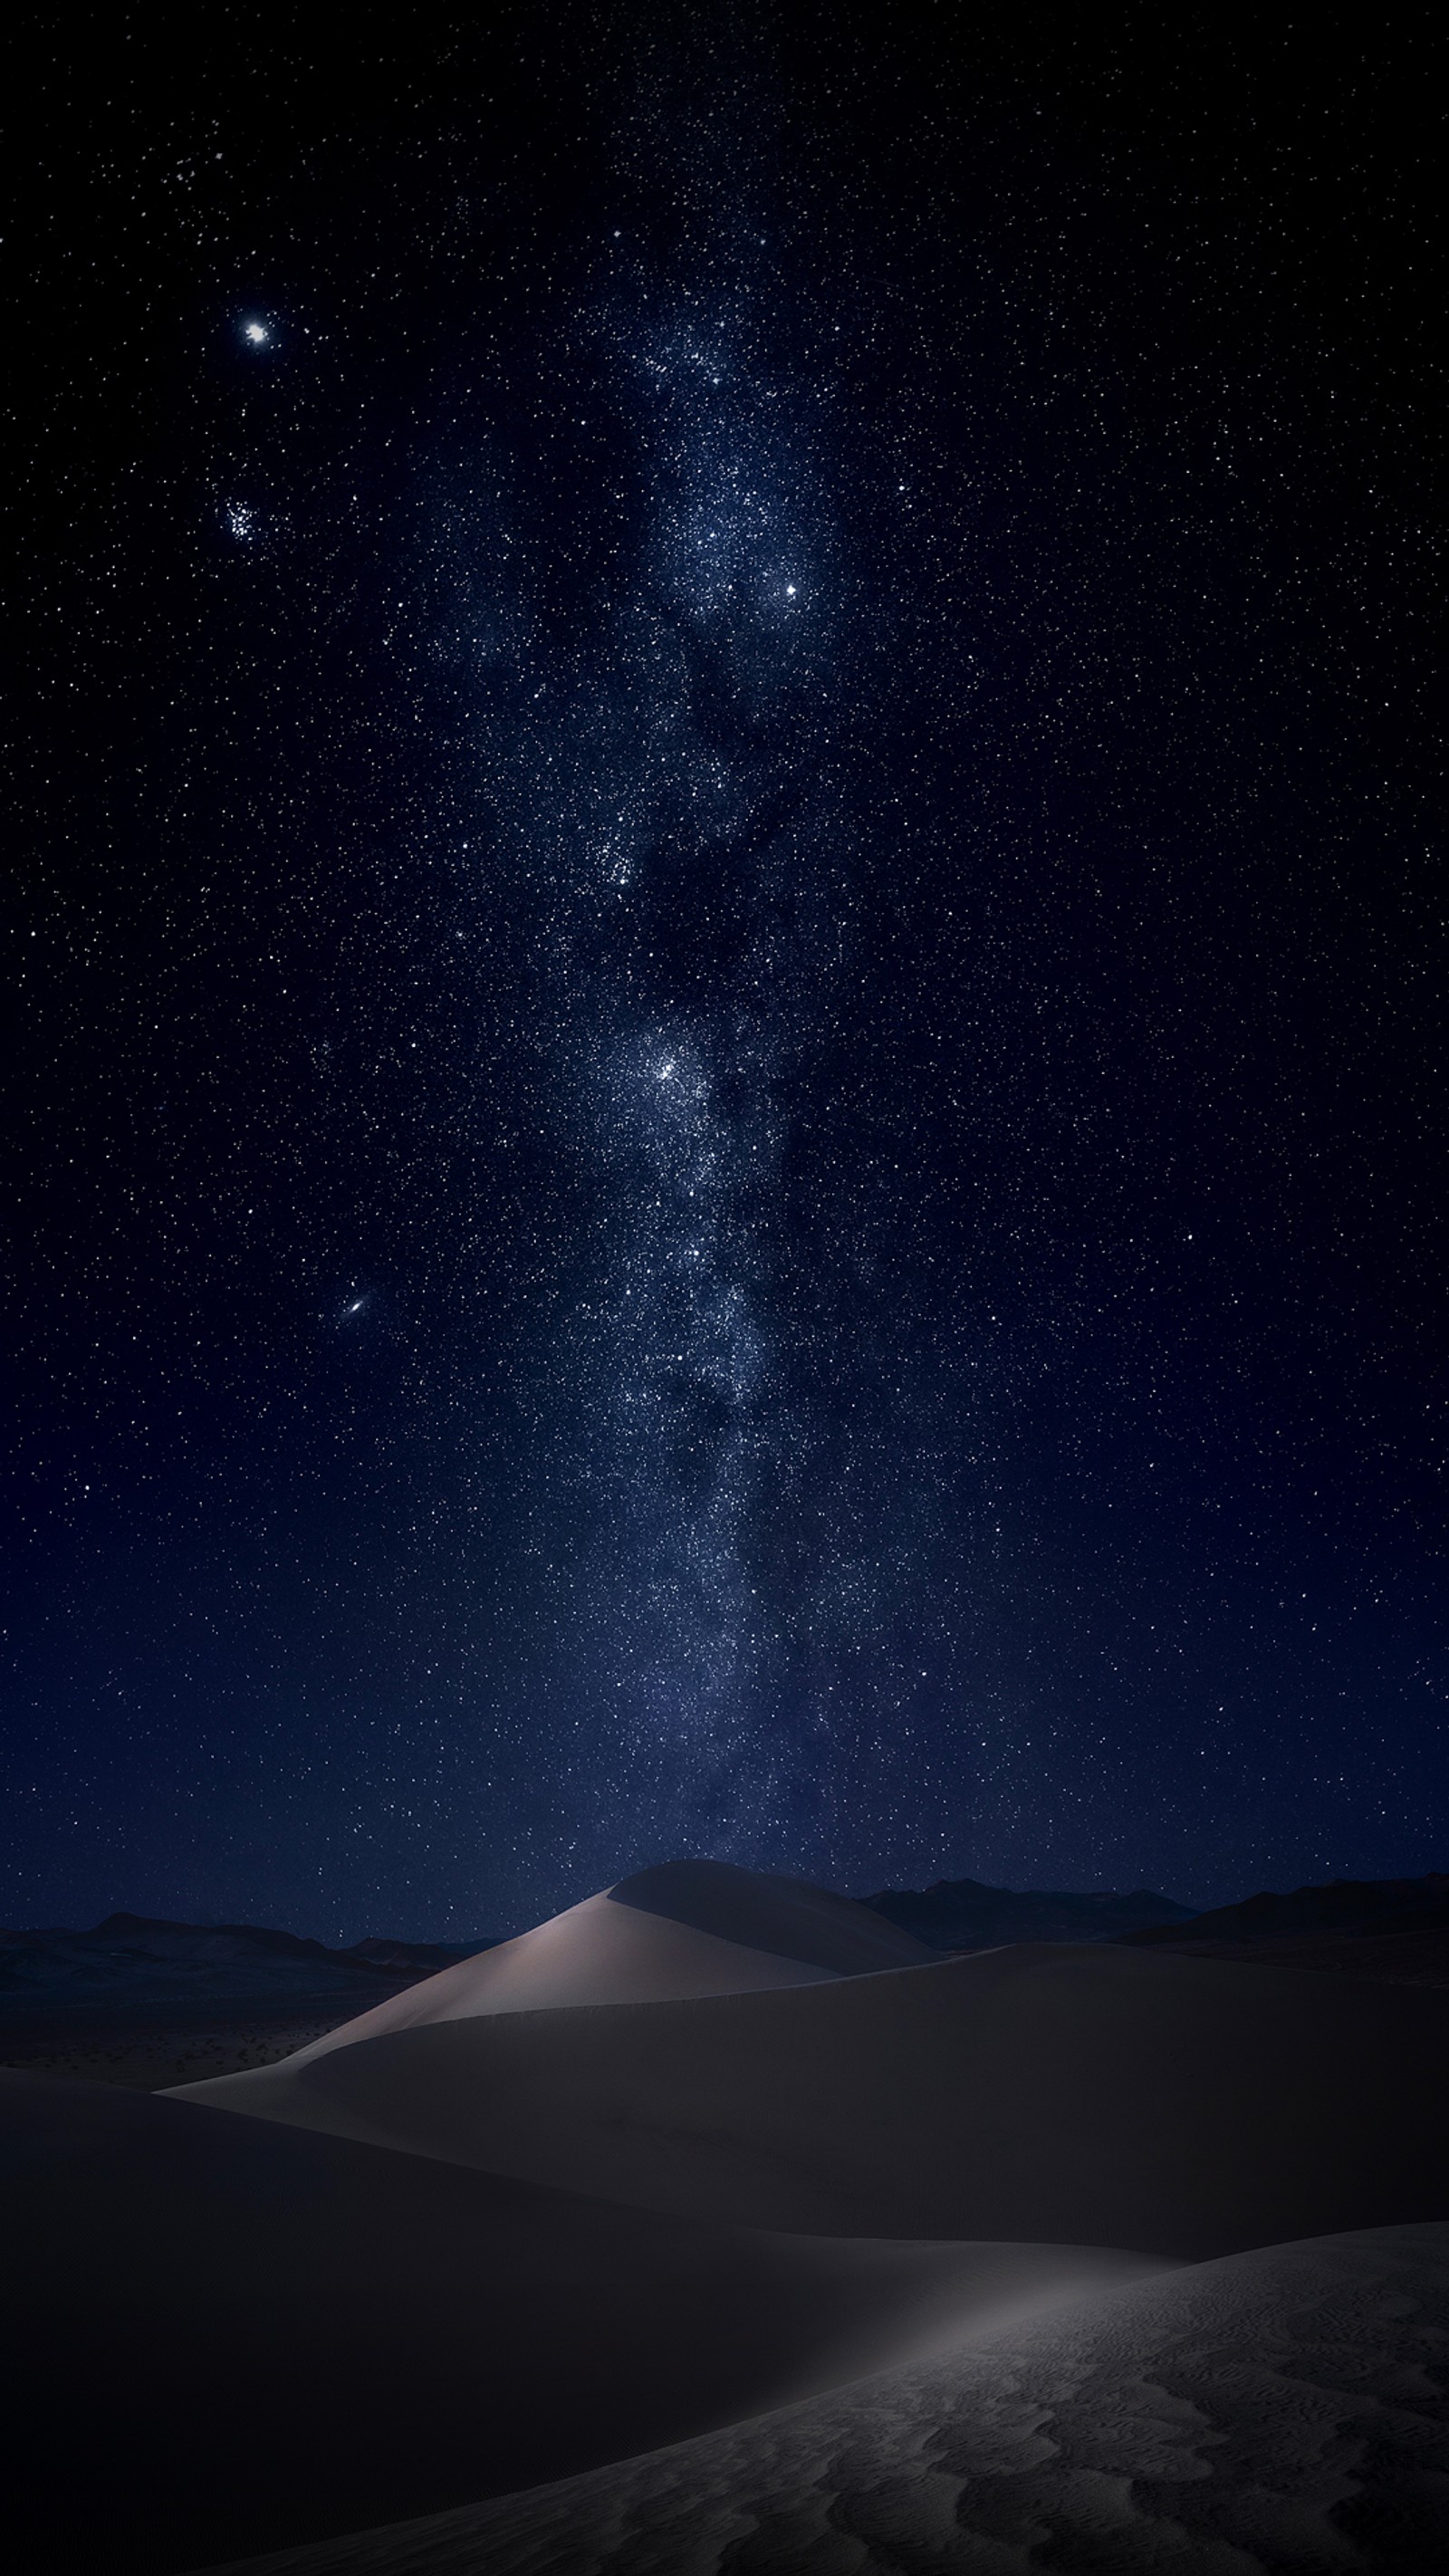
[667,1935]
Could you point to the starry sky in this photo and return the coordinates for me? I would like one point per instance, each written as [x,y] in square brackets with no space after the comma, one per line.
[726,1102]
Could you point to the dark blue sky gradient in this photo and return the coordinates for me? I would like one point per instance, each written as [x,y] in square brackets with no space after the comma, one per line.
[727,1123]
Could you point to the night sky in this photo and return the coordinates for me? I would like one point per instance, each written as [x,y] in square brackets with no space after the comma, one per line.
[726,1114]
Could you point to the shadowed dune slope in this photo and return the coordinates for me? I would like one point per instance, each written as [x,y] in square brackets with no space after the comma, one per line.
[785,1915]
[1087,2094]
[1280,2411]
[222,2336]
[684,1929]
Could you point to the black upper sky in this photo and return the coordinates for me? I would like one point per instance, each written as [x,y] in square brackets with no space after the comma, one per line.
[726,1119]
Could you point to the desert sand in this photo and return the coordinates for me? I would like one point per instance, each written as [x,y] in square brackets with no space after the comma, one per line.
[715,2226]
[1078,2094]
[239,2334]
[1278,2413]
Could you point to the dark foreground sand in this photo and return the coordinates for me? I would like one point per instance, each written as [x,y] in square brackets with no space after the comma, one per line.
[221,2334]
[1280,2413]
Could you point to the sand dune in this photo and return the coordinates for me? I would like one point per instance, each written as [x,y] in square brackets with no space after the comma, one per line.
[1278,2411]
[704,2150]
[684,1929]
[223,2335]
[784,1915]
[1089,2095]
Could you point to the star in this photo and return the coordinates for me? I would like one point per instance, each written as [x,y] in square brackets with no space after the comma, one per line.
[257,334]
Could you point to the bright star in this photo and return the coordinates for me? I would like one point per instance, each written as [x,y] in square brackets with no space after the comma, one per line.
[257,333]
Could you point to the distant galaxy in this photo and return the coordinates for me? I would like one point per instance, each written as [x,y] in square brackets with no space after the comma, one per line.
[671,808]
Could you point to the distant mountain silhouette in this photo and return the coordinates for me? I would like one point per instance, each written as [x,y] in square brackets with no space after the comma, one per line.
[425,1956]
[962,1914]
[1350,1908]
[132,1963]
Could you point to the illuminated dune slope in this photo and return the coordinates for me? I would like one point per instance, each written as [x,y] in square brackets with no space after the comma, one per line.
[684,1929]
